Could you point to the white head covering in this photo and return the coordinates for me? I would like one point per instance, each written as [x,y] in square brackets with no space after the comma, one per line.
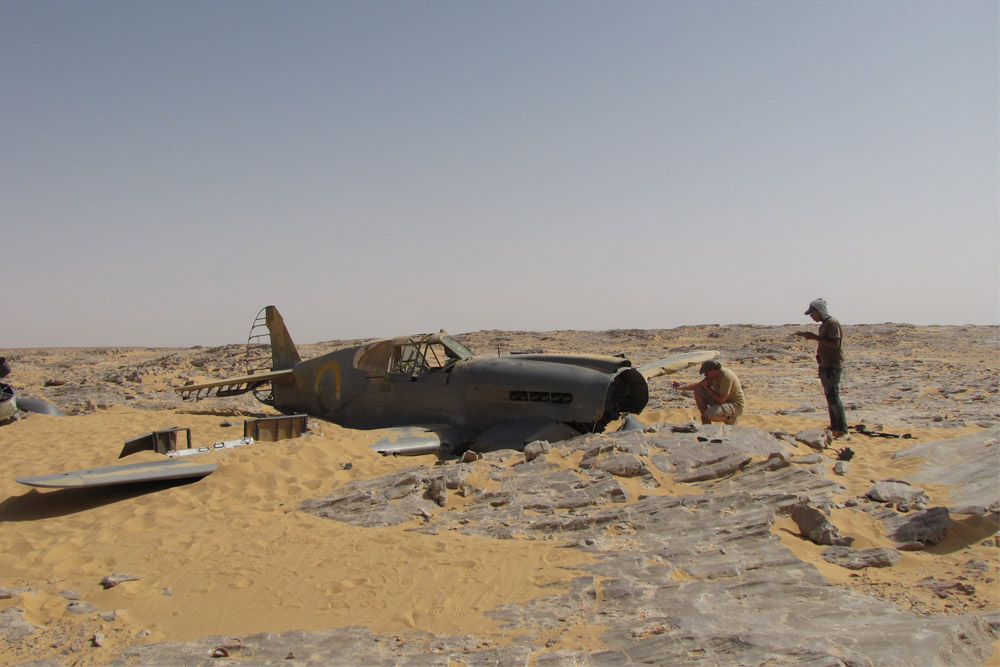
[819,305]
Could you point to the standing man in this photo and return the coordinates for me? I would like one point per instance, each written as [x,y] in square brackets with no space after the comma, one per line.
[719,395]
[830,357]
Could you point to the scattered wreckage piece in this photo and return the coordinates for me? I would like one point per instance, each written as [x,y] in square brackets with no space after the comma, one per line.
[272,429]
[11,404]
[8,408]
[147,471]
[878,433]
[161,441]
[164,441]
[225,444]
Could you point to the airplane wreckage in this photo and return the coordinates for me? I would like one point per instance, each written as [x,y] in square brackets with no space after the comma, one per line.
[11,404]
[430,392]
[420,394]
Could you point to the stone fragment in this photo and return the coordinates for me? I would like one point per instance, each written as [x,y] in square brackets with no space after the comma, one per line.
[623,465]
[841,468]
[944,589]
[919,529]
[13,626]
[115,578]
[814,526]
[80,607]
[535,449]
[895,492]
[686,427]
[8,593]
[857,559]
[775,461]
[815,438]
[438,492]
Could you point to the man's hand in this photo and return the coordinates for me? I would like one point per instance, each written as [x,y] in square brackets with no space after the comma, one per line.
[807,334]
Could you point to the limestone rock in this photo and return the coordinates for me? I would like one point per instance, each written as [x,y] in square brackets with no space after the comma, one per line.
[895,492]
[968,464]
[857,559]
[113,579]
[919,529]
[535,449]
[13,626]
[815,438]
[80,607]
[814,526]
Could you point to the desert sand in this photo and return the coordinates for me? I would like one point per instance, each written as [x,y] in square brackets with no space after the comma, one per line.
[231,554]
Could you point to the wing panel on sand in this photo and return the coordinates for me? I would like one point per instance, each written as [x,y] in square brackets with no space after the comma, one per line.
[125,474]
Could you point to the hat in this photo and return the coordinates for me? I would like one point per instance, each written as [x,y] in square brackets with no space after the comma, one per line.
[819,305]
[710,365]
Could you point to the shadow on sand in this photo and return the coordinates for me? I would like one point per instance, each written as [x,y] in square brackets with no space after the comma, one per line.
[35,504]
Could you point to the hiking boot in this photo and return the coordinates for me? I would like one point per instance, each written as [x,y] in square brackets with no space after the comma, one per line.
[841,435]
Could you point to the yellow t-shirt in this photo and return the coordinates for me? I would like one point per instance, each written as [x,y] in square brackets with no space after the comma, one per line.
[729,385]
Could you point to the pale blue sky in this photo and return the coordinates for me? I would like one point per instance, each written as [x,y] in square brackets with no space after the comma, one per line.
[377,168]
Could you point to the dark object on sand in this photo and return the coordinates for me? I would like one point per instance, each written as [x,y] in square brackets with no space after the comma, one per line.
[845,454]
[864,430]
[10,404]
[126,474]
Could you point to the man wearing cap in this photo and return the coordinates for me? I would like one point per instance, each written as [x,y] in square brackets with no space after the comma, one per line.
[830,357]
[719,395]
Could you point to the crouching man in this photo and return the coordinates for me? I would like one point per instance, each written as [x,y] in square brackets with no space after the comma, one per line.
[719,395]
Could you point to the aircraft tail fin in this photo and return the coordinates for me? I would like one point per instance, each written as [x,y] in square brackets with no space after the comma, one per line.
[283,352]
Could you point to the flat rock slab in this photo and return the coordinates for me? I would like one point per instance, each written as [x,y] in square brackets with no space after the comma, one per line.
[13,626]
[857,559]
[969,464]
[814,526]
[896,492]
[918,529]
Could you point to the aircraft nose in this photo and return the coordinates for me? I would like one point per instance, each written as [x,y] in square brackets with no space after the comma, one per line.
[628,392]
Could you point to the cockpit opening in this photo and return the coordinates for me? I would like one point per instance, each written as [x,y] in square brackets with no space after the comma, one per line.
[429,352]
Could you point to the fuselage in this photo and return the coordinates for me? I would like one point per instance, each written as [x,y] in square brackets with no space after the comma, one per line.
[435,380]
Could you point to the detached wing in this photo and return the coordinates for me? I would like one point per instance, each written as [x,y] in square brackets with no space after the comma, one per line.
[129,473]
[417,439]
[431,438]
[231,386]
[676,363]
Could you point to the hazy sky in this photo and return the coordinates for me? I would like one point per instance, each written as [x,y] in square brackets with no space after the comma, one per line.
[375,168]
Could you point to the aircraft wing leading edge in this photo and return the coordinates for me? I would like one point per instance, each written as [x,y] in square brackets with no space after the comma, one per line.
[675,363]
